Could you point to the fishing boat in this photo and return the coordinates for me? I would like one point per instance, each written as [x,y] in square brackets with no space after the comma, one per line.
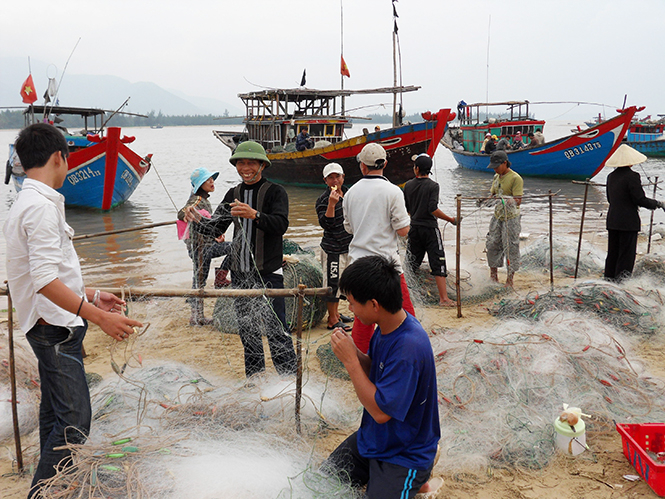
[578,156]
[275,117]
[103,170]
[648,137]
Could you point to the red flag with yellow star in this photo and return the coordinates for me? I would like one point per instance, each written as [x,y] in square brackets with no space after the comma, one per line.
[28,93]
[345,69]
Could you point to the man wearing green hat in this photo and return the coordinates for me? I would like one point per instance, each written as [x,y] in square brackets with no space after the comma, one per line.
[259,211]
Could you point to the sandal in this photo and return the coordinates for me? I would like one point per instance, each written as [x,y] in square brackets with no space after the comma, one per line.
[340,324]
[345,318]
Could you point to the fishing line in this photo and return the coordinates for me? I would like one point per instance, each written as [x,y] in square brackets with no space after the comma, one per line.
[175,207]
[57,91]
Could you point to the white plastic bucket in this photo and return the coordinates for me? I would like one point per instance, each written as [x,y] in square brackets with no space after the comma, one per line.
[570,439]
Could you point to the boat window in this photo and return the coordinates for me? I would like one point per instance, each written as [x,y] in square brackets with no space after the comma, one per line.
[330,130]
[316,130]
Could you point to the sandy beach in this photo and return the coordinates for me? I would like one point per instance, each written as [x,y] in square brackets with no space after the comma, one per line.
[596,473]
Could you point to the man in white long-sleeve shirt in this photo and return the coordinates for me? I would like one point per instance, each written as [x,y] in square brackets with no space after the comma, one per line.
[51,301]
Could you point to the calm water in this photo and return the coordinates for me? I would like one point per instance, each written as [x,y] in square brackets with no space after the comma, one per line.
[155,257]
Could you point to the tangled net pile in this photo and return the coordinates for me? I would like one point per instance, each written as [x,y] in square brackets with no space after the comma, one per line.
[167,431]
[27,390]
[611,303]
[536,256]
[500,391]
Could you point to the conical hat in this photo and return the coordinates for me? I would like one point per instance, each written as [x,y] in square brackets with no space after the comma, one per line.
[625,156]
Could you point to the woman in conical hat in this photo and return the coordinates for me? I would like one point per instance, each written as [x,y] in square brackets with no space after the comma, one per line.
[625,195]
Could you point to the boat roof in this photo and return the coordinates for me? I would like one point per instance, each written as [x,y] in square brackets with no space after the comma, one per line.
[80,111]
[311,93]
[506,103]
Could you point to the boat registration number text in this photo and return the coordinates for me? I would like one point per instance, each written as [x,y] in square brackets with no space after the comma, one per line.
[576,151]
[82,174]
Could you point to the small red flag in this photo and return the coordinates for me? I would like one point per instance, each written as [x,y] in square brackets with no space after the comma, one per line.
[345,69]
[28,93]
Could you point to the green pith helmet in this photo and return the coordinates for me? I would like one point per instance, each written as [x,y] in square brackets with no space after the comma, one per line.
[249,150]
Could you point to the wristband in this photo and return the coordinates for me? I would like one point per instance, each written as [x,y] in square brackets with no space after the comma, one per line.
[95,299]
[80,304]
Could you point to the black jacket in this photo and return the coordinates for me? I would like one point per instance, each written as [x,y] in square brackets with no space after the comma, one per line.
[261,249]
[335,239]
[625,195]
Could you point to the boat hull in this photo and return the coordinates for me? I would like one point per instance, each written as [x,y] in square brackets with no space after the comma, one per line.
[576,157]
[650,148]
[305,168]
[102,175]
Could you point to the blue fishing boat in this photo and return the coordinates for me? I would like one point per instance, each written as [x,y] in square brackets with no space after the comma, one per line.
[103,171]
[577,157]
[648,137]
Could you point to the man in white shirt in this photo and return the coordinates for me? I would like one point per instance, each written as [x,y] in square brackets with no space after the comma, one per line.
[52,304]
[375,213]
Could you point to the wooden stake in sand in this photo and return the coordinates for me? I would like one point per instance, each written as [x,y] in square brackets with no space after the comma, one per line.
[655,185]
[579,244]
[457,255]
[301,304]
[551,246]
[12,381]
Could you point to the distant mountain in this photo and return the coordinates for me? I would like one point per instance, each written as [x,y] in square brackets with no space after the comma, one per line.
[107,92]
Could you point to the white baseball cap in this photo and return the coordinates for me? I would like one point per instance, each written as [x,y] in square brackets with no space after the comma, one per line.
[332,168]
[373,155]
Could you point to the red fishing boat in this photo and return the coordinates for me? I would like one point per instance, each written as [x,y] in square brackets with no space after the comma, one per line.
[275,117]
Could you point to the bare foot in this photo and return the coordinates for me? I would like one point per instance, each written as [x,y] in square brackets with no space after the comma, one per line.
[447,303]
[431,487]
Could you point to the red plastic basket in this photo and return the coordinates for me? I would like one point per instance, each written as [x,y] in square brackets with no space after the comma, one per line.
[638,439]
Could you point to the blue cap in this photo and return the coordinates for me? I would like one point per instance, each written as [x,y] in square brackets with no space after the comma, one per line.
[199,176]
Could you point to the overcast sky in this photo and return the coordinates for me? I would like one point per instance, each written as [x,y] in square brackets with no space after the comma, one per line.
[548,50]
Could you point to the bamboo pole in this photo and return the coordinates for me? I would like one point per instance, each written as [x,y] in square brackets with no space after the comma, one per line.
[579,244]
[458,288]
[551,247]
[12,380]
[211,293]
[655,185]
[119,231]
[301,304]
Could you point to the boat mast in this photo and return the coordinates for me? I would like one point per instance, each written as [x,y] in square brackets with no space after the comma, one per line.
[487,73]
[395,118]
[341,48]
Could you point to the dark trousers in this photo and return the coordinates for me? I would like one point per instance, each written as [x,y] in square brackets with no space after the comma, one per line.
[384,480]
[621,249]
[64,411]
[426,240]
[202,255]
[255,315]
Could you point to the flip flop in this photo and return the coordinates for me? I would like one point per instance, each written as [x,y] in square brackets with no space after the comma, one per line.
[345,318]
[342,325]
[435,487]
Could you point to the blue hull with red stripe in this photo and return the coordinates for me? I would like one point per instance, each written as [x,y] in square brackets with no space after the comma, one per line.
[577,157]
[103,170]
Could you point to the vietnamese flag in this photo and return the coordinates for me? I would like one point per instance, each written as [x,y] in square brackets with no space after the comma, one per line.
[28,93]
[345,69]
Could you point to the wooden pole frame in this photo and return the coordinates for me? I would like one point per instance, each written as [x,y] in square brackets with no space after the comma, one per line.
[300,292]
